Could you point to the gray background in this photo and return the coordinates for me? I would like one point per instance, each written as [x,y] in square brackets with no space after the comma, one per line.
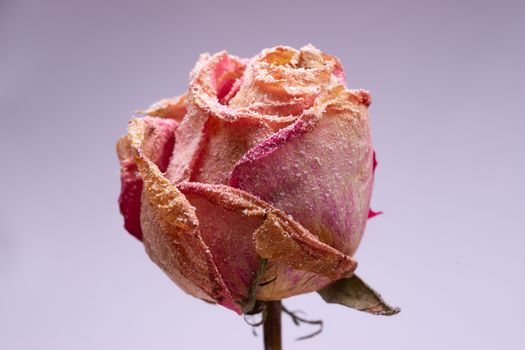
[448,83]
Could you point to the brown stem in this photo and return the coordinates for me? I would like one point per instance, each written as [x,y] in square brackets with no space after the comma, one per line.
[272,325]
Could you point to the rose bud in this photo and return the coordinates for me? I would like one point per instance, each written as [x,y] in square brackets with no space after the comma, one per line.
[256,184]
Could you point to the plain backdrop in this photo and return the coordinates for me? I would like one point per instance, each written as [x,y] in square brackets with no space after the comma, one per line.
[448,86]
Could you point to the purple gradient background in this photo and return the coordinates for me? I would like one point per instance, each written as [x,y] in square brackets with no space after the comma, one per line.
[448,85]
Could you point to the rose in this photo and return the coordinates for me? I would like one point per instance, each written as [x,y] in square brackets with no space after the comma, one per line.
[257,183]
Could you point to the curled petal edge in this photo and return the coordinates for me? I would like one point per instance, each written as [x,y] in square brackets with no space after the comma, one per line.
[373,213]
[157,145]
[279,238]
[326,186]
[168,108]
[171,220]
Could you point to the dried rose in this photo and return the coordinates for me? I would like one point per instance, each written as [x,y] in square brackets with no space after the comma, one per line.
[257,183]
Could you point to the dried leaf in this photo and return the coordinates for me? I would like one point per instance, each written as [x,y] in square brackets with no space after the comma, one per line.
[355,293]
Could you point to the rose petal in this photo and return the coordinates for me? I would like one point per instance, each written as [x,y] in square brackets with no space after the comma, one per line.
[171,236]
[318,170]
[284,81]
[282,281]
[282,239]
[212,137]
[190,140]
[158,145]
[226,142]
[226,73]
[212,79]
[278,238]
[228,234]
[212,89]
[129,199]
[170,108]
[372,213]
[338,72]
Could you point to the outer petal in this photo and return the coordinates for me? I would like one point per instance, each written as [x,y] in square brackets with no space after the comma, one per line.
[171,237]
[157,145]
[170,108]
[228,215]
[130,189]
[372,213]
[318,170]
[228,234]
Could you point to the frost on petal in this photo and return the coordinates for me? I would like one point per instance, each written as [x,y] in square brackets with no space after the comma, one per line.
[318,170]
[212,137]
[226,142]
[234,214]
[169,108]
[228,234]
[284,81]
[282,239]
[282,281]
[213,82]
[170,229]
[157,145]
[189,142]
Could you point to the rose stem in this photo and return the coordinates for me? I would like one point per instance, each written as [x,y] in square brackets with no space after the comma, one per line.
[272,325]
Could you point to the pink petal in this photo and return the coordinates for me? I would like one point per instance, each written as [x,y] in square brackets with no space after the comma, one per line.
[228,234]
[372,213]
[170,229]
[158,145]
[318,170]
[169,108]
[212,137]
[213,78]
[190,139]
[284,82]
[229,217]
[226,142]
[183,255]
[129,199]
[226,75]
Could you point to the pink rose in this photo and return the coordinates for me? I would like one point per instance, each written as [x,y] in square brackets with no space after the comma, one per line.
[257,183]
